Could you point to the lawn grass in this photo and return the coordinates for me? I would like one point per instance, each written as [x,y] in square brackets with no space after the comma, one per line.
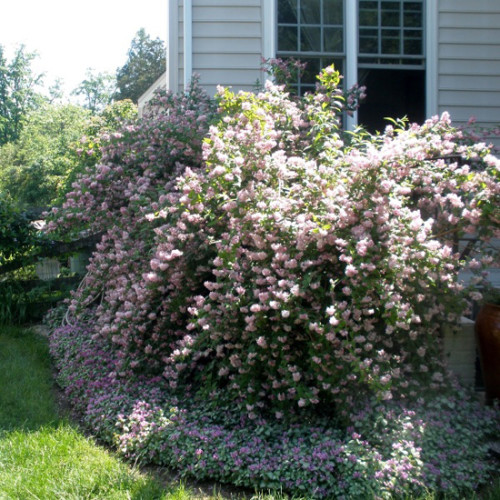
[43,456]
[26,395]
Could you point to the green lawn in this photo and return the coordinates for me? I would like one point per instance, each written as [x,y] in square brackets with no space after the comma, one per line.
[44,456]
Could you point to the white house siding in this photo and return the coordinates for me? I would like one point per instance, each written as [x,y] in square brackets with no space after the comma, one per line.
[227,43]
[469,60]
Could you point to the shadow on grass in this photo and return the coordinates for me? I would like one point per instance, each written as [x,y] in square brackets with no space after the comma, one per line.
[43,455]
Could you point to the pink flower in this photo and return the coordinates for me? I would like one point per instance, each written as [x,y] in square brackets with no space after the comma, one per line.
[261,342]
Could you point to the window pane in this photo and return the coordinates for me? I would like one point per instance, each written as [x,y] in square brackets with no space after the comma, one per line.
[390,42]
[412,20]
[333,40]
[390,18]
[413,7]
[287,11]
[310,39]
[368,41]
[368,17]
[333,12]
[312,70]
[310,12]
[413,16]
[391,5]
[287,38]
[413,46]
[364,4]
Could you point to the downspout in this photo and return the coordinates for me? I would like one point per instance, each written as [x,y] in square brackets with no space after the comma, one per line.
[188,42]
[173,46]
[351,43]
[269,25]
[431,58]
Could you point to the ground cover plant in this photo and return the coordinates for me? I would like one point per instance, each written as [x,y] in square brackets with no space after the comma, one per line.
[265,306]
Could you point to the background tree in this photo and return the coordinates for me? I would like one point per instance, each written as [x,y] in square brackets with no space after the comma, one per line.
[146,63]
[97,90]
[18,92]
[57,142]
[33,169]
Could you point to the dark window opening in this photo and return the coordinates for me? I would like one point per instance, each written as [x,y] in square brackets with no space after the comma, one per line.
[392,93]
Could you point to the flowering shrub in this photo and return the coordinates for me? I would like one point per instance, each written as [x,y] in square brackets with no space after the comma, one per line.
[389,448]
[265,304]
[256,252]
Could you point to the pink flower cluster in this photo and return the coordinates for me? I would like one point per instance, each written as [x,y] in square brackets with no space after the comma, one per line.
[258,252]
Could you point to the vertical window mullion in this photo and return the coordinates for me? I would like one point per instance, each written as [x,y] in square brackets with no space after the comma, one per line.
[299,26]
[401,29]
[379,27]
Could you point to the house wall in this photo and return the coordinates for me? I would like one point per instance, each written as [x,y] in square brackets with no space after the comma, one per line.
[469,60]
[230,37]
[227,43]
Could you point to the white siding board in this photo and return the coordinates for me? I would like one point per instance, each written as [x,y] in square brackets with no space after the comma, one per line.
[485,52]
[469,35]
[245,61]
[223,46]
[459,66]
[469,82]
[471,97]
[227,3]
[484,6]
[220,15]
[470,20]
[229,77]
[226,29]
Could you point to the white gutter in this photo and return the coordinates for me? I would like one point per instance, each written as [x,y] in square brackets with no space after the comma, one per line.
[188,41]
[351,56]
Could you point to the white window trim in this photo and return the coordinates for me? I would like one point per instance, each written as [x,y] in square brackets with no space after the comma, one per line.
[351,53]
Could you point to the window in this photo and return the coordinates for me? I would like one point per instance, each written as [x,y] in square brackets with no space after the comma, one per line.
[391,61]
[390,58]
[390,33]
[312,31]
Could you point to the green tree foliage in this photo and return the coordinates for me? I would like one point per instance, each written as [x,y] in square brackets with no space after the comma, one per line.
[18,92]
[33,169]
[57,142]
[17,234]
[97,90]
[145,64]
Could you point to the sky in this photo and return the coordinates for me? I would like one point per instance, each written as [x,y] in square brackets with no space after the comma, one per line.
[71,36]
